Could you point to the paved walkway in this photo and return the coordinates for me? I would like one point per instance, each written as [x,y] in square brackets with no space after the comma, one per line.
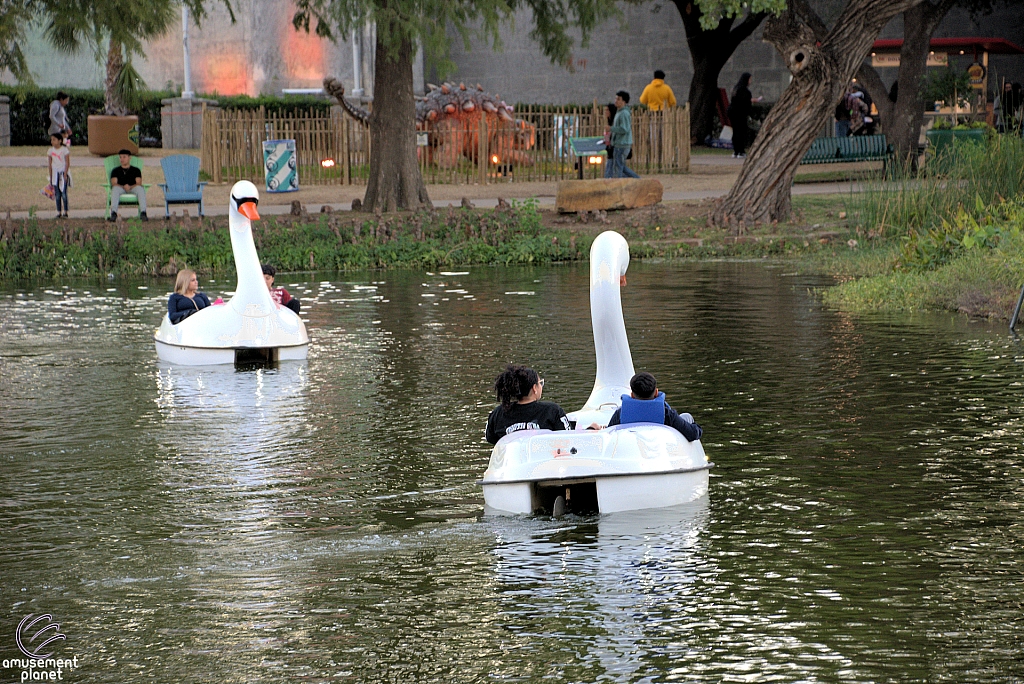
[88,160]
[547,201]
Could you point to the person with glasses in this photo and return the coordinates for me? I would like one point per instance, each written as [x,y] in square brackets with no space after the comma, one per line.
[519,390]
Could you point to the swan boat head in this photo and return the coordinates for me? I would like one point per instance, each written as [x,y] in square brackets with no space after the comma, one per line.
[244,199]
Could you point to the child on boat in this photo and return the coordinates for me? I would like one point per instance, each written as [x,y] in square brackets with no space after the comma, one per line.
[645,404]
[280,295]
[519,390]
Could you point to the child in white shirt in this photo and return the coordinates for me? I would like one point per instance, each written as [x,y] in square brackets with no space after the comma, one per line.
[59,158]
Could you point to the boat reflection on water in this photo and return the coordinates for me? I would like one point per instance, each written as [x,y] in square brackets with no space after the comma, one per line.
[230,437]
[611,581]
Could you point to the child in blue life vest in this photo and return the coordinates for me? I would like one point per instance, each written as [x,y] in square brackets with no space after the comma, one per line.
[646,404]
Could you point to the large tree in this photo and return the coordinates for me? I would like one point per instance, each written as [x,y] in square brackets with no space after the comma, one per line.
[116,28]
[822,61]
[710,48]
[15,18]
[902,118]
[395,180]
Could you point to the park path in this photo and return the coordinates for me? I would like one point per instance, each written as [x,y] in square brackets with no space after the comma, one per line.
[708,167]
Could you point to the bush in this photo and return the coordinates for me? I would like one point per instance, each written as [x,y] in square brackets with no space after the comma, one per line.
[273,103]
[509,235]
[28,105]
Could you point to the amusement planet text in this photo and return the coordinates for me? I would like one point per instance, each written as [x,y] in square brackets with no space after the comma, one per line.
[42,670]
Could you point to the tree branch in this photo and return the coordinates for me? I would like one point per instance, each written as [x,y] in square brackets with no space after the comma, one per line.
[746,27]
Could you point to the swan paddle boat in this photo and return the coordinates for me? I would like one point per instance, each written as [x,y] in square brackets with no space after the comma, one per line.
[250,327]
[626,467]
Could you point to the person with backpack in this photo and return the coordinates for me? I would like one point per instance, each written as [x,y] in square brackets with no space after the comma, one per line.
[645,404]
[57,117]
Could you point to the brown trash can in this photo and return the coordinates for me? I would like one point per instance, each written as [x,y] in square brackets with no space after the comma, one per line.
[109,134]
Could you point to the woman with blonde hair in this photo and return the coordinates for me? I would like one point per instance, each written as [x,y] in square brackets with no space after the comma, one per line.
[186,299]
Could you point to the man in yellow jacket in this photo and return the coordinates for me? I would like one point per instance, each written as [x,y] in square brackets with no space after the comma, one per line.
[657,95]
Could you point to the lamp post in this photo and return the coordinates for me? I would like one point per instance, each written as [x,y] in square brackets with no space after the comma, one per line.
[187,90]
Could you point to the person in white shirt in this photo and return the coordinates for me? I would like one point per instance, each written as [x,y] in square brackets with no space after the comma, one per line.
[59,160]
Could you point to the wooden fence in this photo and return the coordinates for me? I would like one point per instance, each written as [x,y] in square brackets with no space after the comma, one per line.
[334,149]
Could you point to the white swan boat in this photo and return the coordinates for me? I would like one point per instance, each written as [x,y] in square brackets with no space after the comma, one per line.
[622,468]
[250,327]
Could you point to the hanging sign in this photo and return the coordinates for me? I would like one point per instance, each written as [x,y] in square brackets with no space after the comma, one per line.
[892,59]
[279,165]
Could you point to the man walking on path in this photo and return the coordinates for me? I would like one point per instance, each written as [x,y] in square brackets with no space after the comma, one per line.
[658,96]
[622,137]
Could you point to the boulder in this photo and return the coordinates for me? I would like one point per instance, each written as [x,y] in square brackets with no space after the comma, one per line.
[607,193]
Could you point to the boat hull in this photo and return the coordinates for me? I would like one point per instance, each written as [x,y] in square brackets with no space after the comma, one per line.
[614,494]
[625,468]
[220,335]
[206,356]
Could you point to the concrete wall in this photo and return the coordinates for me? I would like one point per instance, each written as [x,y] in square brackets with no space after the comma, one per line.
[619,56]
[260,53]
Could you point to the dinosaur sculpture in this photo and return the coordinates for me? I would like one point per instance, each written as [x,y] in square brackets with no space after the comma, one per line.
[452,116]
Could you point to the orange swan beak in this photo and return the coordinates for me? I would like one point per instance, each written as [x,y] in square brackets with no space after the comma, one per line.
[248,210]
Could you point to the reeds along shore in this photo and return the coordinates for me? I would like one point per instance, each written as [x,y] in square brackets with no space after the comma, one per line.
[510,234]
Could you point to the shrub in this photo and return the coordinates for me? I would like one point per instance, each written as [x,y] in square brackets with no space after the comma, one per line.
[273,103]
[28,105]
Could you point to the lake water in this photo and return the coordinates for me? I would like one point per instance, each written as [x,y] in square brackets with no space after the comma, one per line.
[321,521]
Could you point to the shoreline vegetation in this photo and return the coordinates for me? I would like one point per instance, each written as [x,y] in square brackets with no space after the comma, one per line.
[950,237]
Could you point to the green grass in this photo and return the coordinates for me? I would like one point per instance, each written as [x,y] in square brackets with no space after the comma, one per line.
[978,283]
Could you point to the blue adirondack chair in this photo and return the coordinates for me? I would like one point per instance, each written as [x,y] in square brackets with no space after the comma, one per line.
[181,171]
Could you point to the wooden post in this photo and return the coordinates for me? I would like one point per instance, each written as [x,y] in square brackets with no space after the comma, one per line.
[218,145]
[684,137]
[483,158]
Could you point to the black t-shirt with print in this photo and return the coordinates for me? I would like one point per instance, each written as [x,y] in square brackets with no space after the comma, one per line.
[537,415]
[129,176]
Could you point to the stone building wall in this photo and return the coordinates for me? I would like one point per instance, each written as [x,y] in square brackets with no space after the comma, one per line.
[618,57]
[262,53]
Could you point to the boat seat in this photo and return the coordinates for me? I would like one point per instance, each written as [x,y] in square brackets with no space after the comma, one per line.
[643,410]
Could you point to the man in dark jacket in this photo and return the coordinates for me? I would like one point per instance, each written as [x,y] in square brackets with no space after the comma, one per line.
[643,389]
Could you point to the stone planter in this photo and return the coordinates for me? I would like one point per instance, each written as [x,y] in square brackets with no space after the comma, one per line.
[109,134]
[943,139]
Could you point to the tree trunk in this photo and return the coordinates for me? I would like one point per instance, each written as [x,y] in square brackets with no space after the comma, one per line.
[821,70]
[395,179]
[703,96]
[709,51]
[112,104]
[902,119]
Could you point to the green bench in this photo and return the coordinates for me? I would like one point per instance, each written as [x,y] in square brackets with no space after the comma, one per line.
[854,148]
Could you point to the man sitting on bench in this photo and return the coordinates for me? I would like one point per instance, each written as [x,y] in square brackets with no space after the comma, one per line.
[646,404]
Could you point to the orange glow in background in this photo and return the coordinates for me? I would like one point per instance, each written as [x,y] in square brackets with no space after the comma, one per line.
[224,74]
[303,54]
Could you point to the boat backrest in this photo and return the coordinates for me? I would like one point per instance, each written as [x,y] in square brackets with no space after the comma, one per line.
[181,172]
[643,410]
